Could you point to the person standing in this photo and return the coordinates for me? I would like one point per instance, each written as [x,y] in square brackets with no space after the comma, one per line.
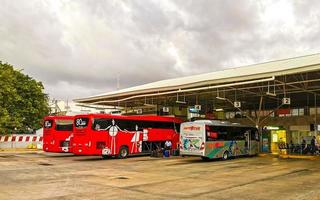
[304,146]
[313,145]
[167,147]
[291,147]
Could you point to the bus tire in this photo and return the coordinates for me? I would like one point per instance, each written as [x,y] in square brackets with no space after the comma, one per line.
[105,156]
[225,155]
[123,152]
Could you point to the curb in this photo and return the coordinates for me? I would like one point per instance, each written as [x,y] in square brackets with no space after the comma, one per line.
[299,157]
[305,157]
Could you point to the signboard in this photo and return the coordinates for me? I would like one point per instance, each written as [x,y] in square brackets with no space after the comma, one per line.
[274,137]
[237,104]
[197,107]
[265,145]
[283,111]
[286,101]
[165,109]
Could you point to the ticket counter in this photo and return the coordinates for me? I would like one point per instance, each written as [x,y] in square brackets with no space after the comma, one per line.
[277,137]
[272,136]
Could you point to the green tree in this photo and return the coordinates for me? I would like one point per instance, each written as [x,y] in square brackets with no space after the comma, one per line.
[22,101]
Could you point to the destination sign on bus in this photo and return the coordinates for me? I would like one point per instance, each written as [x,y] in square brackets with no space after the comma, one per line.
[191,128]
[48,123]
[81,122]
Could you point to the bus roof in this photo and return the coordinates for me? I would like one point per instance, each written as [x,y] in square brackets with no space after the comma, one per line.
[133,117]
[219,123]
[59,117]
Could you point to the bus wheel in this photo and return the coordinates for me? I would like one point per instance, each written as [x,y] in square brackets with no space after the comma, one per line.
[123,152]
[105,156]
[225,155]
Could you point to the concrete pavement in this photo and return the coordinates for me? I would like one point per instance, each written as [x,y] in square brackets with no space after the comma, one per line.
[38,175]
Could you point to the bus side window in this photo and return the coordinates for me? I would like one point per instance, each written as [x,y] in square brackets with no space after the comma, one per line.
[100,124]
[232,133]
[252,134]
[245,133]
[222,133]
[212,136]
[123,124]
[237,133]
[255,134]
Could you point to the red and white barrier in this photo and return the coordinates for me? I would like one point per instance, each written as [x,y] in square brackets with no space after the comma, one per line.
[22,138]
[21,141]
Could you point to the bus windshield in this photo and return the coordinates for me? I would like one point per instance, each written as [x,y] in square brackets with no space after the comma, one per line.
[64,125]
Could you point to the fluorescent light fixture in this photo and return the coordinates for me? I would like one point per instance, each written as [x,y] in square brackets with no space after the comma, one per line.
[219,109]
[221,98]
[182,102]
[272,127]
[151,105]
[271,94]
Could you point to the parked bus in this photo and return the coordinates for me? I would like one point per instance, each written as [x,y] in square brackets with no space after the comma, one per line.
[116,135]
[217,139]
[57,133]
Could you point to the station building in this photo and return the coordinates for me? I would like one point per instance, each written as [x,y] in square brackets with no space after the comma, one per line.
[280,97]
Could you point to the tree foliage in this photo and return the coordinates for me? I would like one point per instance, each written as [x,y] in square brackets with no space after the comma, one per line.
[22,101]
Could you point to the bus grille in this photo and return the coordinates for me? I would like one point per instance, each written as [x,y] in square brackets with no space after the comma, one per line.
[64,144]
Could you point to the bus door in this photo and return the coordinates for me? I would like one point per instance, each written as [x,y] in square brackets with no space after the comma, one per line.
[247,143]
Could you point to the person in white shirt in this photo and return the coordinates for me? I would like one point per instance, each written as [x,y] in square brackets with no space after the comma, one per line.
[167,146]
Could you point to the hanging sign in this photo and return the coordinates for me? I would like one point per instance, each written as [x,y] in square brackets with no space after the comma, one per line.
[237,104]
[165,109]
[197,107]
[286,101]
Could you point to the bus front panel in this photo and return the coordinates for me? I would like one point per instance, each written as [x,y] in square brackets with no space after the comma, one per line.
[192,139]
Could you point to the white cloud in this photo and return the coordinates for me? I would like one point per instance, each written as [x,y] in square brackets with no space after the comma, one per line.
[78,48]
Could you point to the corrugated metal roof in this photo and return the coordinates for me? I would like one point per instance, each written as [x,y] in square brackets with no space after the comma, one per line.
[256,71]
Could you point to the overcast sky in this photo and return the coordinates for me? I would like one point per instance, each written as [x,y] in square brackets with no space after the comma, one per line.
[79,48]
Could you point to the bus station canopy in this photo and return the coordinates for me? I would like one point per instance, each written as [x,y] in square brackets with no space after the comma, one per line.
[297,78]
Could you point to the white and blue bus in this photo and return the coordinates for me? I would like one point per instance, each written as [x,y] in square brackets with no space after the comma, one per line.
[217,139]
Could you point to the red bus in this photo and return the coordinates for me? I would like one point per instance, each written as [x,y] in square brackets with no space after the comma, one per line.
[116,135]
[57,133]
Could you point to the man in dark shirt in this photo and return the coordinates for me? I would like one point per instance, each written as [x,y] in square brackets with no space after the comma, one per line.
[313,144]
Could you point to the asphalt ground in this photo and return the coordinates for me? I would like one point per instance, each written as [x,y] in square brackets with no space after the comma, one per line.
[39,175]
